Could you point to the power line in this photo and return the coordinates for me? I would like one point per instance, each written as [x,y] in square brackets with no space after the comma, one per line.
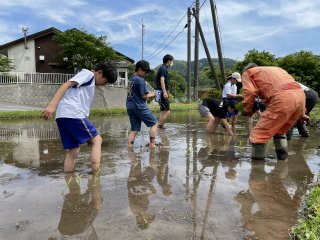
[168,44]
[165,39]
[175,26]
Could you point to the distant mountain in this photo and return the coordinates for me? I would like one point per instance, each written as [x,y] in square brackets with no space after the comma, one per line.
[181,65]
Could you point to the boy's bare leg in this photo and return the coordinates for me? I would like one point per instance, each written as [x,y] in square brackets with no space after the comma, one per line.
[210,124]
[233,124]
[95,153]
[70,159]
[131,138]
[163,117]
[152,134]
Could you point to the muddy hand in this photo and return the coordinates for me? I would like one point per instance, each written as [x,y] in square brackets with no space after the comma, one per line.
[304,118]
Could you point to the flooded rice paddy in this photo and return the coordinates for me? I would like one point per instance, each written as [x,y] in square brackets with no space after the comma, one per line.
[191,186]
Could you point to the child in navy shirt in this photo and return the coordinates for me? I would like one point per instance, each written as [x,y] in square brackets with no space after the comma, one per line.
[72,102]
[137,108]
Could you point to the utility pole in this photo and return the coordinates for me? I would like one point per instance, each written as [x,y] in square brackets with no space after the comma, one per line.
[206,50]
[196,54]
[142,37]
[189,57]
[217,35]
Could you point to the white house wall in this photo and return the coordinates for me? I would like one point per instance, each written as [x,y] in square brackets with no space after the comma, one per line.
[23,59]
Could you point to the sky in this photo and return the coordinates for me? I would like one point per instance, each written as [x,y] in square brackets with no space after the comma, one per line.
[280,27]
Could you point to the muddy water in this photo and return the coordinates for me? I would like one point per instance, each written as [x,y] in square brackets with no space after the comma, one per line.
[192,186]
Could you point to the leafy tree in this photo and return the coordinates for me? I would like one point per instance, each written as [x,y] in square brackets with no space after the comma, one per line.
[83,50]
[304,66]
[178,84]
[263,58]
[6,64]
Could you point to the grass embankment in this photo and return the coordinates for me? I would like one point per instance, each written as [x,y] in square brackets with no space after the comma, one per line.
[309,224]
[96,112]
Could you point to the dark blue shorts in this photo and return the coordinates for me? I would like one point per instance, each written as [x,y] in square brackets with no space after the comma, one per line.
[137,116]
[74,132]
[234,113]
[164,104]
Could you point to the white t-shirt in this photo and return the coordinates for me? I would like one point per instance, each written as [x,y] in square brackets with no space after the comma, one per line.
[77,100]
[229,88]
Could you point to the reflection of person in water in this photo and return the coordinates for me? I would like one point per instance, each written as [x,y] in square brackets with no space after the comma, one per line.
[219,149]
[80,210]
[270,204]
[163,168]
[140,187]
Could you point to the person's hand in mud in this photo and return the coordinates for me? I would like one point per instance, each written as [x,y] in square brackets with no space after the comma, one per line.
[304,119]
[248,114]
[239,96]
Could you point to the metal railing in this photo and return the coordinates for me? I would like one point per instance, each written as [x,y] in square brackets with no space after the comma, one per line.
[44,78]
[17,135]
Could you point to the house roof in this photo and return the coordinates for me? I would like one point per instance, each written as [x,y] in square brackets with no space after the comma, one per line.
[29,37]
[44,33]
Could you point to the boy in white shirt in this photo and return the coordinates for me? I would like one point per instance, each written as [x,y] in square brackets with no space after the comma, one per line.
[229,94]
[72,102]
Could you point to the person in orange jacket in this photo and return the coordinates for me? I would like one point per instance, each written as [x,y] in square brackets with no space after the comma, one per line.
[285,105]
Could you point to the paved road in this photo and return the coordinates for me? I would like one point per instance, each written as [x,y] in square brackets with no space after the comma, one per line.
[4,106]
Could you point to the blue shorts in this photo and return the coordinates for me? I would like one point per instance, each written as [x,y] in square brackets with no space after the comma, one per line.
[137,116]
[234,113]
[74,132]
[164,104]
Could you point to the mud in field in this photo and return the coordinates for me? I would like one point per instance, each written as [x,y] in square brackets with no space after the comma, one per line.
[191,186]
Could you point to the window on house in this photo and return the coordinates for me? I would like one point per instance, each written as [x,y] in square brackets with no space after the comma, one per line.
[122,74]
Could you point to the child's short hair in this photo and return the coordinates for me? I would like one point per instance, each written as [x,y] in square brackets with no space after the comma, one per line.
[109,71]
[167,58]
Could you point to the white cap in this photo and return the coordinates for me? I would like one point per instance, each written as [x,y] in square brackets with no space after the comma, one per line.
[235,75]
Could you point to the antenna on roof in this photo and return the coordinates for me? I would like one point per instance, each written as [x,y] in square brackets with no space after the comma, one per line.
[25,30]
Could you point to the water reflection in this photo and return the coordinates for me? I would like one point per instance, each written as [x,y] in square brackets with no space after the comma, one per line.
[270,203]
[218,151]
[140,187]
[80,209]
[191,186]
[163,166]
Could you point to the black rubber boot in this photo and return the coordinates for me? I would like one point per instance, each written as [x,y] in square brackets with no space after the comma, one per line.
[281,145]
[258,151]
[303,131]
[289,134]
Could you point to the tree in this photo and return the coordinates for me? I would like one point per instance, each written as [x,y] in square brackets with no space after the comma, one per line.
[6,64]
[83,50]
[178,84]
[304,66]
[263,58]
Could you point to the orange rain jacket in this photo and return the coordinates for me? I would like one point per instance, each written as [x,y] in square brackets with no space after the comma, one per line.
[283,97]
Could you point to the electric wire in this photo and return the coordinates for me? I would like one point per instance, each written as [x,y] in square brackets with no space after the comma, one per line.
[154,53]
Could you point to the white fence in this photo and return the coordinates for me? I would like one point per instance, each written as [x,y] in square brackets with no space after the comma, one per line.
[17,135]
[44,78]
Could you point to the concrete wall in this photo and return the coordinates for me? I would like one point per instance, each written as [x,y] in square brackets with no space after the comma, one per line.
[23,59]
[40,95]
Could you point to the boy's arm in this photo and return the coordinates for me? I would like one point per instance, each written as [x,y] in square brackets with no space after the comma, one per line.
[149,95]
[226,124]
[47,113]
[163,87]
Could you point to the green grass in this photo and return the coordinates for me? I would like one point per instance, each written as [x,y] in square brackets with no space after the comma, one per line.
[96,112]
[32,114]
[309,224]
